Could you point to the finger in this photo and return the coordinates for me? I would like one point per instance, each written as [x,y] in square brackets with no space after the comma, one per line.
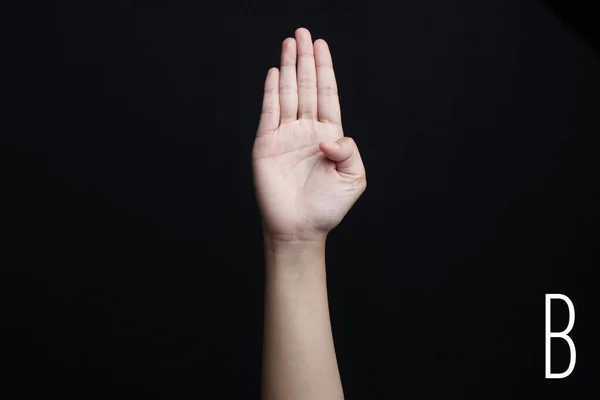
[307,76]
[327,91]
[269,116]
[288,86]
[346,156]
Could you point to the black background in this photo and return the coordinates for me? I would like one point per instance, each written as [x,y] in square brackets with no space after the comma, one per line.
[132,261]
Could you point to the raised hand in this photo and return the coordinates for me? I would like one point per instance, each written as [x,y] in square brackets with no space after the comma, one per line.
[307,175]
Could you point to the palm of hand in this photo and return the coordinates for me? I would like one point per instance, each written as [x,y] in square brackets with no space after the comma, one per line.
[304,184]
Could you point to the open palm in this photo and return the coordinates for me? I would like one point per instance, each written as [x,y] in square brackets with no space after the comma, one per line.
[307,175]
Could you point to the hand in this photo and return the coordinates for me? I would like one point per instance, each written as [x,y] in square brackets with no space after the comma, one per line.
[307,175]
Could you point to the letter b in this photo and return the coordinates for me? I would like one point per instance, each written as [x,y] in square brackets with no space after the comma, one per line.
[563,335]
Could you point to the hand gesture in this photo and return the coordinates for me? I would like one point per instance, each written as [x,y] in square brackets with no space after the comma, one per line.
[307,175]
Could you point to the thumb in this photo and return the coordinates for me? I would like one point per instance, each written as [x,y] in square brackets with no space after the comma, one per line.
[346,156]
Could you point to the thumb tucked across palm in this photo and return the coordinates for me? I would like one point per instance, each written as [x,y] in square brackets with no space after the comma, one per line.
[345,154]
[307,174]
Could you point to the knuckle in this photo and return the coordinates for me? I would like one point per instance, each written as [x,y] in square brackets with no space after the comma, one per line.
[288,89]
[330,121]
[328,91]
[307,114]
[349,140]
[305,83]
[325,65]
[269,110]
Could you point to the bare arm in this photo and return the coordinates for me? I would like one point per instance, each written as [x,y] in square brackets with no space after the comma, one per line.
[307,175]
[298,357]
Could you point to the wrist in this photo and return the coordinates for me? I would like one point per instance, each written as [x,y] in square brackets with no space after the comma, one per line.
[290,247]
[294,257]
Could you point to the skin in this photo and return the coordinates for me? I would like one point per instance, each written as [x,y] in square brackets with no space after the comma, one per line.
[307,176]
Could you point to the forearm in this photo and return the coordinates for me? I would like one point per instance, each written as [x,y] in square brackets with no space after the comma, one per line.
[299,359]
